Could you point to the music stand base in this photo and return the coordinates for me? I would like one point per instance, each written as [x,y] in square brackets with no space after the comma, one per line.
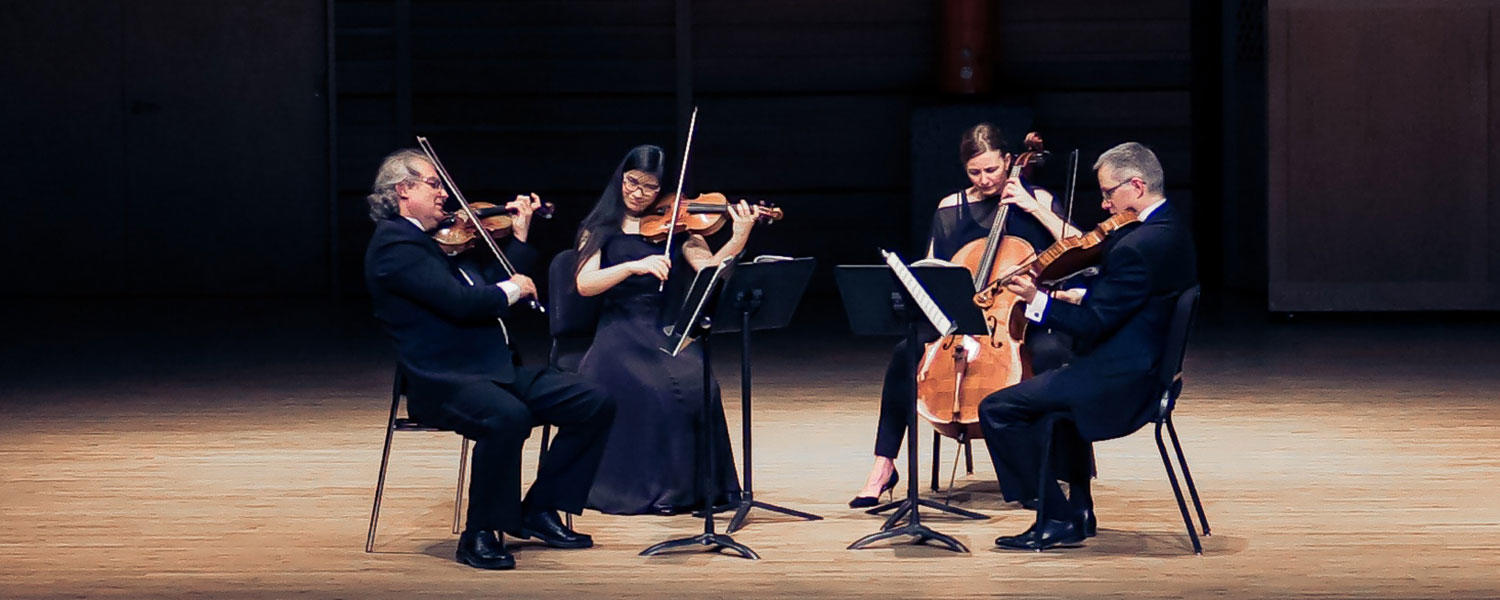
[716,541]
[921,532]
[903,507]
[749,502]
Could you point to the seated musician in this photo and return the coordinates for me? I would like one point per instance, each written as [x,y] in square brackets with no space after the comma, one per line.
[460,373]
[649,464]
[1119,330]
[962,218]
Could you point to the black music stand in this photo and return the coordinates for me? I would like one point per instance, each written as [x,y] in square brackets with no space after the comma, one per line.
[878,304]
[762,295]
[693,323]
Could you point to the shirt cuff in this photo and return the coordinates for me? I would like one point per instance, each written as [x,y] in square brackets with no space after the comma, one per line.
[1036,307]
[512,291]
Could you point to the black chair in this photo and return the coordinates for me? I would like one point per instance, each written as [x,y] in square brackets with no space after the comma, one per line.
[394,424]
[1170,381]
[397,423]
[571,317]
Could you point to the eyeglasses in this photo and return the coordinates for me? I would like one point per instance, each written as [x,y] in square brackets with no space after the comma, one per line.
[1106,193]
[436,183]
[636,184]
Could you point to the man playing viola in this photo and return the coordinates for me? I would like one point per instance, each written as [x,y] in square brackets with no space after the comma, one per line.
[460,371]
[1119,330]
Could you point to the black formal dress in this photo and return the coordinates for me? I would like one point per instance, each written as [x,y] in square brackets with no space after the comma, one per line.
[1109,388]
[651,464]
[461,375]
[952,228]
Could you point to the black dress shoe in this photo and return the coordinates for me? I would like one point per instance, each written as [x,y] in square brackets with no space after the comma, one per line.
[1054,534]
[868,501]
[483,549]
[548,528]
[1089,523]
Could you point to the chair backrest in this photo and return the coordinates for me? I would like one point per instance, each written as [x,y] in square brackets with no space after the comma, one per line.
[406,423]
[1169,371]
[571,316]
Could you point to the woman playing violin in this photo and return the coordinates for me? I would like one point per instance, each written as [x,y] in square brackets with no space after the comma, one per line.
[648,464]
[961,218]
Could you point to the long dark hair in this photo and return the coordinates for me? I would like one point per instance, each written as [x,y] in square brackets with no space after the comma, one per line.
[604,221]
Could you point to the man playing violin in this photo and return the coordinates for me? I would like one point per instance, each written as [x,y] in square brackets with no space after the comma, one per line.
[460,373]
[1119,330]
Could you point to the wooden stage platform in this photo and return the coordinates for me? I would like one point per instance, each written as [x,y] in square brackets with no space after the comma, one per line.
[234,456]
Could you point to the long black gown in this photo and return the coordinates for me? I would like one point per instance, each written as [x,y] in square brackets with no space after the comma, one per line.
[649,461]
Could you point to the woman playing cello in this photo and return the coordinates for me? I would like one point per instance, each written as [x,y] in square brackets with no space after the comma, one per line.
[961,218]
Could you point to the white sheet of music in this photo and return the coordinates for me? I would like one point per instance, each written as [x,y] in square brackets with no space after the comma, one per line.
[934,314]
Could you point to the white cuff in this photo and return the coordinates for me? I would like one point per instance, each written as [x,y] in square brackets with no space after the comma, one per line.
[512,291]
[1036,307]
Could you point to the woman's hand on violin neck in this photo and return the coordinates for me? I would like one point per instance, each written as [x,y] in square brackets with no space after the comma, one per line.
[1016,194]
[521,209]
[744,215]
[655,265]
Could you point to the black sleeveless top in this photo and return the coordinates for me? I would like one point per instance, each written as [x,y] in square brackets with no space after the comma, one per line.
[954,226]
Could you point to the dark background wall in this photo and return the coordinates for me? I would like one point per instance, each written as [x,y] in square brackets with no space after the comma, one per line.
[192,142]
[164,148]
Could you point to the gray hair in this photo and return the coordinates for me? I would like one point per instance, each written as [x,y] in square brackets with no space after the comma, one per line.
[399,167]
[1131,159]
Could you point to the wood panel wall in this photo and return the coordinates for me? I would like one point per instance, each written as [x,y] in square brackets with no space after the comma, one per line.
[1383,120]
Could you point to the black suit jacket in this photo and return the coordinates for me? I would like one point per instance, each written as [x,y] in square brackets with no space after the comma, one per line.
[444,329]
[1121,326]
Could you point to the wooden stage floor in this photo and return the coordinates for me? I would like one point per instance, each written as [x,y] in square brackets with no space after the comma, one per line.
[234,454]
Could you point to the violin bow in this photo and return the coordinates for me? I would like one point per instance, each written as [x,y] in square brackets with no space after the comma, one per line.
[677,198]
[1072,187]
[479,230]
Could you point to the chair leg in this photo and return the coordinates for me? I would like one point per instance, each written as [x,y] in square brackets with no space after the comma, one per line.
[1177,491]
[969,455]
[385,460]
[937,448]
[1188,476]
[458,494]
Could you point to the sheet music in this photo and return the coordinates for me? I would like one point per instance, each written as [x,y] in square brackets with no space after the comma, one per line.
[934,314]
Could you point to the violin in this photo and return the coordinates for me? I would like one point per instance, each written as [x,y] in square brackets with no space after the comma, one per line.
[949,385]
[704,214]
[482,234]
[454,233]
[1063,259]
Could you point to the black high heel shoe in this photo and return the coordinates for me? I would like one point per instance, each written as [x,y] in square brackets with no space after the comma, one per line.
[868,501]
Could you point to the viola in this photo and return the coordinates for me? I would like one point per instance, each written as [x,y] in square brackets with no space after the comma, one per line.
[454,233]
[1063,259]
[704,214]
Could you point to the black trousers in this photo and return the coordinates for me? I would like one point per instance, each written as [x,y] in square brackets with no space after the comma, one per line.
[1049,350]
[499,418]
[1012,420]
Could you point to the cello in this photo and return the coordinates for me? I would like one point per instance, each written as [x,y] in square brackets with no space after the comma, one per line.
[950,385]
